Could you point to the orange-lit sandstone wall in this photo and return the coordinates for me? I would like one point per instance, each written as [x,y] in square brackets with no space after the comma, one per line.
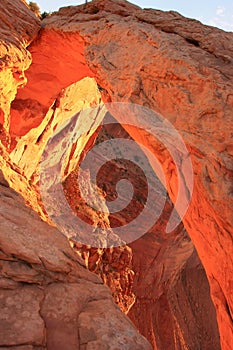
[183,70]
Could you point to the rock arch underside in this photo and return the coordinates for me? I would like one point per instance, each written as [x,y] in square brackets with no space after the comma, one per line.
[176,289]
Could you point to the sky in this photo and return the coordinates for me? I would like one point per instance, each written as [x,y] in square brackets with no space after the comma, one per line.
[217,13]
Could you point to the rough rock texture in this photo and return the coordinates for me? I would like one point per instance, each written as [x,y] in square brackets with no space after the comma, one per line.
[70,101]
[182,70]
[172,307]
[49,300]
[173,297]
[181,61]
[113,265]
[18,28]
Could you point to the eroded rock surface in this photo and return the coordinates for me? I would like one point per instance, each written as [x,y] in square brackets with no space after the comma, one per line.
[48,298]
[172,307]
[183,70]
[18,28]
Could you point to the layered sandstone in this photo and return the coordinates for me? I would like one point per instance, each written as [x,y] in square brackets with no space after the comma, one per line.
[175,66]
[49,300]
[172,307]
[181,61]
[14,57]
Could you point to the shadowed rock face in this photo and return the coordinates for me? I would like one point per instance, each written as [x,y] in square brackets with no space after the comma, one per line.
[172,307]
[176,67]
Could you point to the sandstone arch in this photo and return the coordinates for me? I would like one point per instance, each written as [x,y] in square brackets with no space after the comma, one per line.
[171,68]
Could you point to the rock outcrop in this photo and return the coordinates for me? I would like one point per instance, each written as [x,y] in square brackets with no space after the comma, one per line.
[172,307]
[49,300]
[176,67]
[18,28]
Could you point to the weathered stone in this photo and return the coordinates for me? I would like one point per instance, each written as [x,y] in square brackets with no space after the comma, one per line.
[173,65]
[46,290]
